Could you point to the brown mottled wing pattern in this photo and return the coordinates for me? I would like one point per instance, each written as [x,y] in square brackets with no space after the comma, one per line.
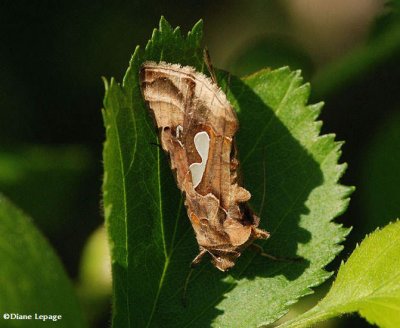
[197,125]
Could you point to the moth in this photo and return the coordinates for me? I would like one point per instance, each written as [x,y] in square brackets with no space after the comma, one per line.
[197,126]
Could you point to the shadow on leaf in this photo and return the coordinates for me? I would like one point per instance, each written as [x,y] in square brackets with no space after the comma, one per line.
[280,174]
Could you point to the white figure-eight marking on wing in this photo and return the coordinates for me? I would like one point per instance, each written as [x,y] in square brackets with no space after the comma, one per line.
[202,144]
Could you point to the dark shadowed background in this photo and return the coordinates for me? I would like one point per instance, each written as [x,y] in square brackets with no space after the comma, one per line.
[54,53]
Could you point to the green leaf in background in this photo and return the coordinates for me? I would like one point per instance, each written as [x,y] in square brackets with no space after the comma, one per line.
[380,178]
[291,172]
[383,45]
[368,283]
[271,52]
[94,287]
[30,174]
[32,279]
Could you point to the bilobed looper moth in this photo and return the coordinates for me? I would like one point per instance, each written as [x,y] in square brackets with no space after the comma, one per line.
[197,125]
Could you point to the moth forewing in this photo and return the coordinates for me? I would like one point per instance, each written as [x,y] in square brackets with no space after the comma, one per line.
[197,125]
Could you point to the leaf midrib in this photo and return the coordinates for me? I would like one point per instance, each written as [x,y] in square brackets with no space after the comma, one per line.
[166,261]
[167,255]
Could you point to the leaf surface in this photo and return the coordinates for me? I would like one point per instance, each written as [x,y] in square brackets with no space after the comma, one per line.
[31,173]
[291,172]
[368,283]
[32,279]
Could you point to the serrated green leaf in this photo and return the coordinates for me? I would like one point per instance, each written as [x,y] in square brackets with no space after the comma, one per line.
[32,279]
[291,172]
[368,283]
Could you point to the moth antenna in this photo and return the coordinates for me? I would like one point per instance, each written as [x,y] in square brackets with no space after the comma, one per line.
[198,258]
[210,67]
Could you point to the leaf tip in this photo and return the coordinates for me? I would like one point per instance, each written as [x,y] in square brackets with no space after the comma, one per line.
[197,31]
[105,83]
[199,25]
[164,26]
[317,106]
[350,189]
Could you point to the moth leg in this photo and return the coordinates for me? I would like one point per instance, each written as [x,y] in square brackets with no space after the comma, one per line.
[260,234]
[198,258]
[258,249]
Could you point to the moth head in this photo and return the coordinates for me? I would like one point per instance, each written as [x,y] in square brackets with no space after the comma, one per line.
[224,260]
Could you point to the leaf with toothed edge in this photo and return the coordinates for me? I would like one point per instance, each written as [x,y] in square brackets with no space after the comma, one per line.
[291,171]
[368,283]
